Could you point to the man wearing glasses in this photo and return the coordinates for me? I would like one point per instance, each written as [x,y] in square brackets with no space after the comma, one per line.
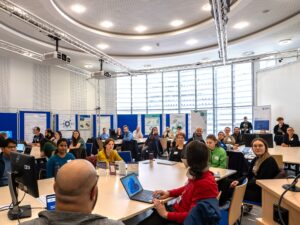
[9,145]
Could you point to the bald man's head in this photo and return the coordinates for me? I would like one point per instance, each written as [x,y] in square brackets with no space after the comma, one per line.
[76,185]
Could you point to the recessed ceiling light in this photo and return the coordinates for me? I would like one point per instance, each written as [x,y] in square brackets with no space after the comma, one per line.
[285,41]
[146,48]
[103,46]
[88,66]
[206,7]
[191,42]
[28,54]
[241,25]
[78,8]
[106,24]
[140,28]
[176,23]
[247,53]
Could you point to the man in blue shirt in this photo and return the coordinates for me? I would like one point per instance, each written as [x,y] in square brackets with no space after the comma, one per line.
[127,134]
[104,135]
[8,146]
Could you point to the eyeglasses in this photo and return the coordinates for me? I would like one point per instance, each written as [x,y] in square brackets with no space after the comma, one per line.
[11,147]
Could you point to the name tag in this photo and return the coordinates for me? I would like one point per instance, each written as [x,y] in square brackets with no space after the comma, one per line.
[216,157]
[175,153]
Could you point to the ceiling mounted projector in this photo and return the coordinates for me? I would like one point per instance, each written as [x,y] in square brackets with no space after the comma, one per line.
[56,58]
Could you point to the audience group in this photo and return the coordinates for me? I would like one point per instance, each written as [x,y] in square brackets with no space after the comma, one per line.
[199,152]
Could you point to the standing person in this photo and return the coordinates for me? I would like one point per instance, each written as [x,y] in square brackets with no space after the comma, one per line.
[280,130]
[290,139]
[108,154]
[38,136]
[153,144]
[104,135]
[178,152]
[8,146]
[59,158]
[201,184]
[137,133]
[197,136]
[76,192]
[168,133]
[246,126]
[127,134]
[218,156]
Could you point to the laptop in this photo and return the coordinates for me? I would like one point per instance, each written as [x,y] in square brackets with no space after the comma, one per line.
[20,148]
[135,190]
[166,162]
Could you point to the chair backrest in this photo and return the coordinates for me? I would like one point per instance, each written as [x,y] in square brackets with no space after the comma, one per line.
[89,147]
[131,146]
[236,161]
[236,202]
[279,160]
[126,156]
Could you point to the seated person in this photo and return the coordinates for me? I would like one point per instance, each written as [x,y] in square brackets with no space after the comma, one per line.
[228,139]
[197,136]
[280,130]
[48,149]
[8,145]
[108,154]
[218,156]
[57,136]
[119,133]
[59,158]
[49,134]
[127,134]
[237,138]
[104,134]
[168,133]
[221,143]
[38,136]
[201,184]
[178,152]
[77,141]
[137,134]
[153,144]
[76,192]
[263,166]
[290,139]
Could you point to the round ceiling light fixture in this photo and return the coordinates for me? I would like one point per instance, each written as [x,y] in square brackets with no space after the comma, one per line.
[103,46]
[176,23]
[285,42]
[140,28]
[78,8]
[106,24]
[146,48]
[241,25]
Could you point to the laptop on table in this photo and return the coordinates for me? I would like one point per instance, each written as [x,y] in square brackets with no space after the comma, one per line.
[20,148]
[135,190]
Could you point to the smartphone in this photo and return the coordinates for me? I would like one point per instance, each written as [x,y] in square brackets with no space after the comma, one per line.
[50,202]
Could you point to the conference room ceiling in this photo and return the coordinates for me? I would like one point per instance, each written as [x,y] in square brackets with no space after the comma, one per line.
[192,40]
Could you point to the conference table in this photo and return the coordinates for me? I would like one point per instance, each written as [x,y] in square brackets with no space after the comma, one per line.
[113,201]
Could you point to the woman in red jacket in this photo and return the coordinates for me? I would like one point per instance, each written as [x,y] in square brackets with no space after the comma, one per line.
[201,185]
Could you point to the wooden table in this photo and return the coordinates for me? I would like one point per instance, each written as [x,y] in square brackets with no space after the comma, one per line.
[113,201]
[271,191]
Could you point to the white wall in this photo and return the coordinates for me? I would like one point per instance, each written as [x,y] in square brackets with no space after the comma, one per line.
[280,88]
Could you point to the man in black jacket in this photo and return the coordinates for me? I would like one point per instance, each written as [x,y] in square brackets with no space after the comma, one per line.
[246,126]
[197,136]
[280,130]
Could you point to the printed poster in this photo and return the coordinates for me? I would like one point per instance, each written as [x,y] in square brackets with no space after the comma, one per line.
[66,122]
[32,120]
[104,122]
[262,117]
[151,120]
[177,120]
[84,122]
[199,119]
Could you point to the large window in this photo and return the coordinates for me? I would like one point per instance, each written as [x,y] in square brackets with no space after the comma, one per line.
[139,102]
[170,84]
[226,92]
[187,90]
[124,95]
[154,90]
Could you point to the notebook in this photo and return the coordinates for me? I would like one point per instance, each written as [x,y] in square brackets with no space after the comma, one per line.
[135,190]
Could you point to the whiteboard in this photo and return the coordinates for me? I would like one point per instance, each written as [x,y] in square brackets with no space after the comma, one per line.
[32,120]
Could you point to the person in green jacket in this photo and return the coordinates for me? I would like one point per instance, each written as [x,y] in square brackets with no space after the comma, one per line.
[218,156]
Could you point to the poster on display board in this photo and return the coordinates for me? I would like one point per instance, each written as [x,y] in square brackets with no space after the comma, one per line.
[32,120]
[105,122]
[177,120]
[199,119]
[151,120]
[66,122]
[262,117]
[84,122]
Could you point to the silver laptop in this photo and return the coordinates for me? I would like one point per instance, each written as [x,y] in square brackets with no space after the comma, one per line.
[20,148]
[135,190]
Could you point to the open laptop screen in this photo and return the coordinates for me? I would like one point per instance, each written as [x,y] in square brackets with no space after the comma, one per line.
[20,148]
[131,184]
